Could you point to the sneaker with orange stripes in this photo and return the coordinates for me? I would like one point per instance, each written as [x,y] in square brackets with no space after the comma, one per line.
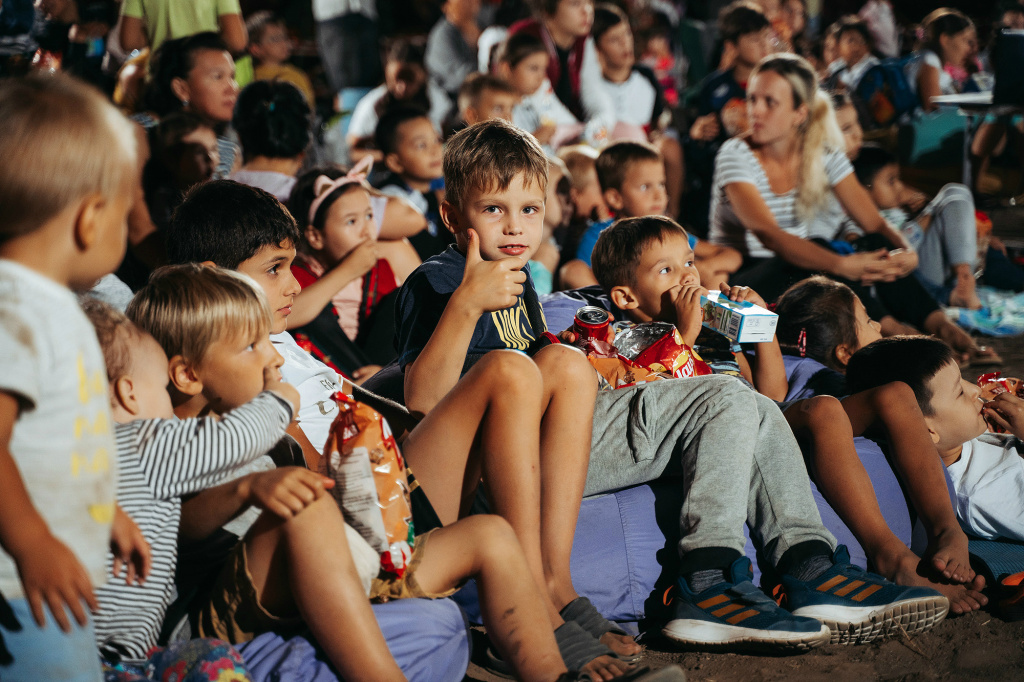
[736,615]
[860,607]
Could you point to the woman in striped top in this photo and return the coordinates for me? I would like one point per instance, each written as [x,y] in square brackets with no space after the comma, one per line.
[769,183]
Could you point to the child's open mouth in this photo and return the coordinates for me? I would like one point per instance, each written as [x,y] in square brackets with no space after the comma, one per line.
[513,249]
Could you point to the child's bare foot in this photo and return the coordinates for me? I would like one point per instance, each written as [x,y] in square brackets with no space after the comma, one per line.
[947,553]
[907,569]
[605,668]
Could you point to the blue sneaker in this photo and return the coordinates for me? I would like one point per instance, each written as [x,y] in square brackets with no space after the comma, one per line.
[860,607]
[737,615]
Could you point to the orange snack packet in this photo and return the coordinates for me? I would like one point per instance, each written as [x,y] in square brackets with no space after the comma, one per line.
[371,481]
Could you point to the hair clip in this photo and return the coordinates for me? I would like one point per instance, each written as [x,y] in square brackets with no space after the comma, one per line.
[323,186]
[801,343]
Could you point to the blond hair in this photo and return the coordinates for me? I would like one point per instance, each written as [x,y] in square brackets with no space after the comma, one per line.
[187,308]
[487,156]
[820,133]
[60,141]
[581,160]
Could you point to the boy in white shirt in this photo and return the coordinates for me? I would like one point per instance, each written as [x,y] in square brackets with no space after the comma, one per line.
[987,469]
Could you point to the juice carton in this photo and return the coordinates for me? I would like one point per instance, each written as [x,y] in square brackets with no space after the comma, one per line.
[740,321]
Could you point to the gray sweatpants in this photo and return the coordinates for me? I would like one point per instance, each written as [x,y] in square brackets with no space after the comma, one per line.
[731,450]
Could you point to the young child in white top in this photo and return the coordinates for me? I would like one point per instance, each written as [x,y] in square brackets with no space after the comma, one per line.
[69,174]
[987,469]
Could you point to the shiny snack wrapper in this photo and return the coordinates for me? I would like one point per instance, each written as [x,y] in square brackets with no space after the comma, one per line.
[994,383]
[371,481]
[659,347]
[645,352]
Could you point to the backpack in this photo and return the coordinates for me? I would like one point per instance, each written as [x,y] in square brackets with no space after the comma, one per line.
[885,94]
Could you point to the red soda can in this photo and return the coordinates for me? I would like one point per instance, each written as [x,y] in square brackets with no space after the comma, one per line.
[591,323]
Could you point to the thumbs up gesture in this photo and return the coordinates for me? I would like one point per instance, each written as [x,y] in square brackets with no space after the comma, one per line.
[489,285]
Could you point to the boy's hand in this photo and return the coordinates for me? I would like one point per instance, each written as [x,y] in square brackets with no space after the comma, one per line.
[273,381]
[51,573]
[129,548]
[362,258]
[286,491]
[912,199]
[689,313]
[1007,410]
[738,293]
[489,285]
[570,336]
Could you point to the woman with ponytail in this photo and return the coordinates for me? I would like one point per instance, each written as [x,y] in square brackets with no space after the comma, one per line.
[771,182]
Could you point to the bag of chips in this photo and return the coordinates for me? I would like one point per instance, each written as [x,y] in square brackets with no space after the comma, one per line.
[659,347]
[371,481]
[994,383]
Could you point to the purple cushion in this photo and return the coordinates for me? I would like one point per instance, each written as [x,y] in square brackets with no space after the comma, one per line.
[429,640]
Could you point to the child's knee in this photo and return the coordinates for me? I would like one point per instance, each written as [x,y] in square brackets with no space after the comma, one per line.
[895,393]
[508,369]
[565,362]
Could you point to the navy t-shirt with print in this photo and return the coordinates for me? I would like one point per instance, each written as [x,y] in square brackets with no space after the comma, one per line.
[422,300]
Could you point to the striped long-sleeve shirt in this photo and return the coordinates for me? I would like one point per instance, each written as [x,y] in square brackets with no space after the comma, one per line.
[161,460]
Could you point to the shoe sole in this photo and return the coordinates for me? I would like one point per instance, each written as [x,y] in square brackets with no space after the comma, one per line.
[863,624]
[706,635]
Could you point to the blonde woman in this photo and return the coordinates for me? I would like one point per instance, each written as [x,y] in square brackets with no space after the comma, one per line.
[771,182]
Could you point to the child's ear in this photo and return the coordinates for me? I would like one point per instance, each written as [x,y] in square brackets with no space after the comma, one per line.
[393,163]
[843,354]
[314,238]
[613,199]
[450,217]
[623,298]
[85,220]
[471,116]
[931,430]
[184,377]
[504,71]
[123,394]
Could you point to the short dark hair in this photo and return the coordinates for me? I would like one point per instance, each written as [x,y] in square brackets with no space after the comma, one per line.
[545,7]
[606,17]
[740,18]
[490,154]
[272,119]
[257,23]
[385,137]
[476,84]
[851,23]
[518,47]
[914,360]
[821,310]
[175,58]
[116,334]
[870,162]
[619,248]
[226,222]
[613,162]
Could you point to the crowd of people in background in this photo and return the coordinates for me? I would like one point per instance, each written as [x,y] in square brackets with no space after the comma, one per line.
[268,203]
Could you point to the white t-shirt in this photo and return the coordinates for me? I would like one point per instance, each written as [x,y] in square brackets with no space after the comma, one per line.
[633,99]
[364,117]
[63,440]
[316,383]
[989,483]
[736,163]
[913,68]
